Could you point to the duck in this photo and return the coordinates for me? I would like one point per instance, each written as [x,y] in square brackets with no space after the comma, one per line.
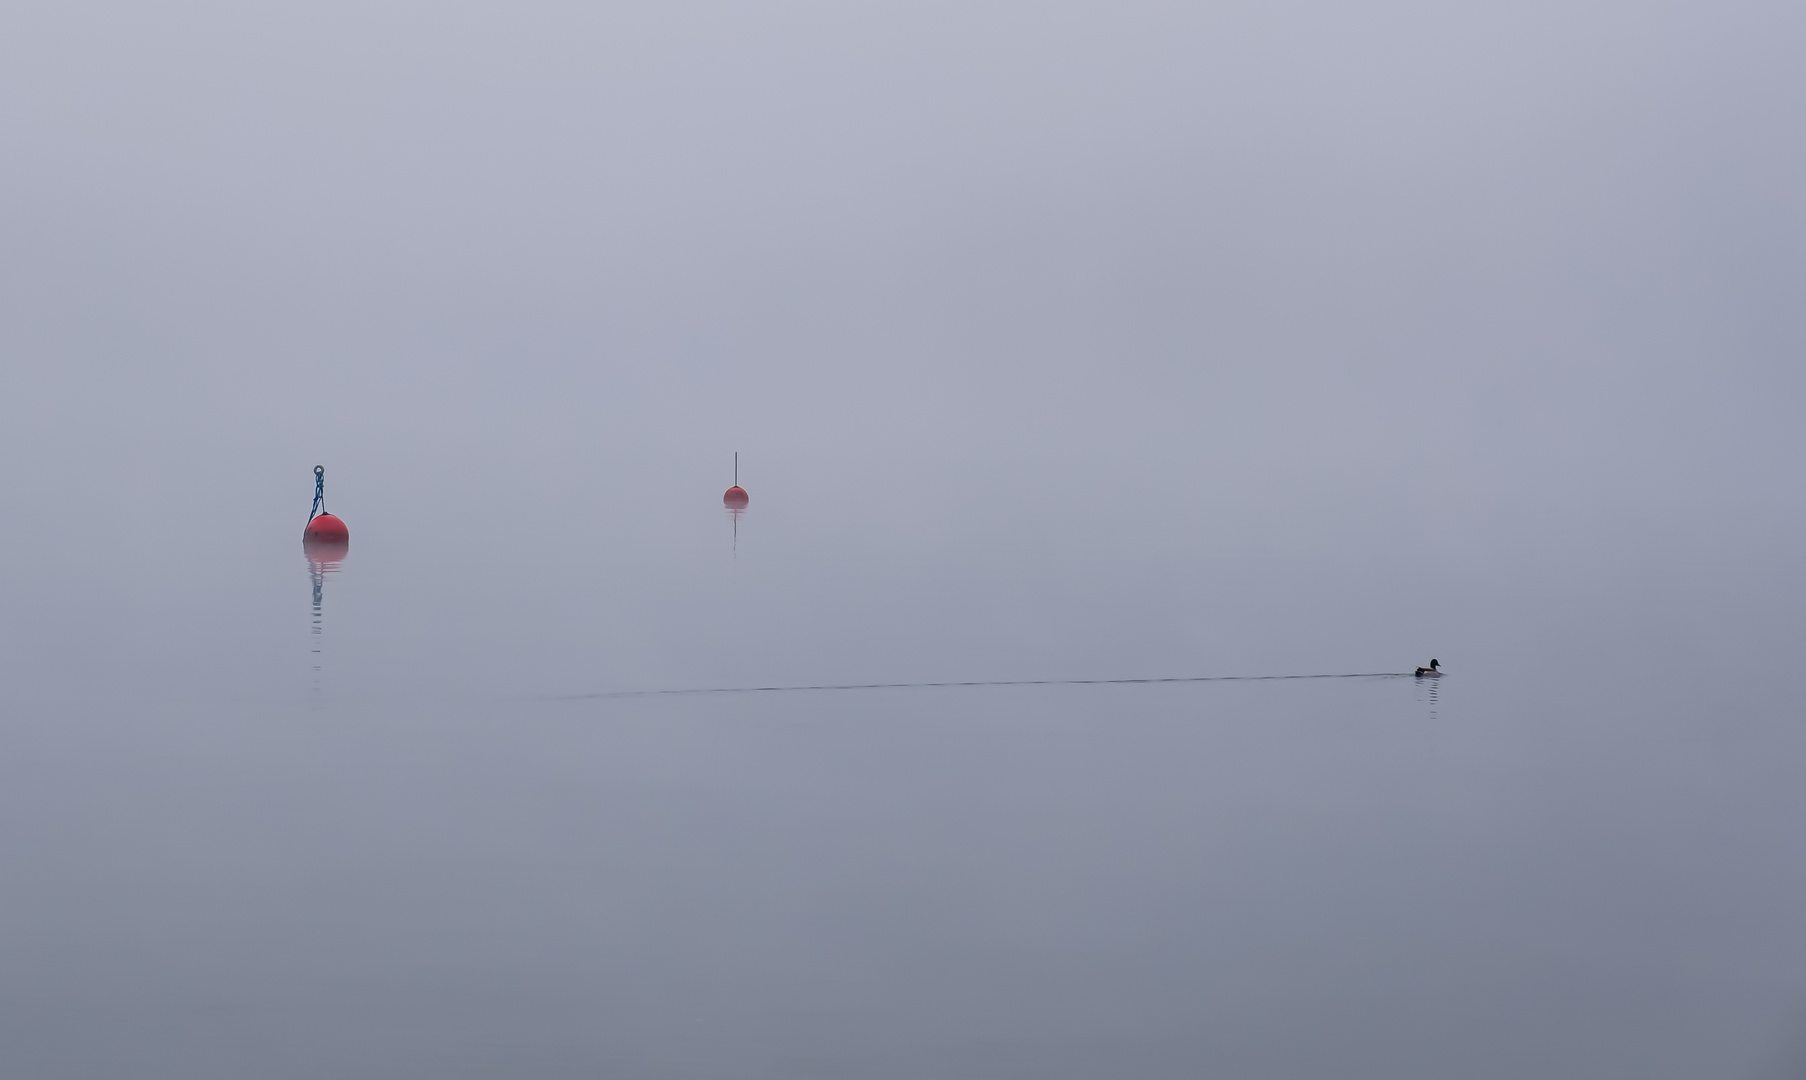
[1430,672]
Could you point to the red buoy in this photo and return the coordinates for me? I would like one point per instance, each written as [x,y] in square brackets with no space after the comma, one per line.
[326,539]
[327,529]
[735,499]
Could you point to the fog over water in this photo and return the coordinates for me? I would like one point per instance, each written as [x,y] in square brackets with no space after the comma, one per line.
[1059,342]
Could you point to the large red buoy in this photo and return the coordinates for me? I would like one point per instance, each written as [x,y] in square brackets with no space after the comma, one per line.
[735,499]
[326,539]
[327,529]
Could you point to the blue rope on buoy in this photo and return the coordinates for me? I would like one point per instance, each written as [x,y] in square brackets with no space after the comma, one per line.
[319,492]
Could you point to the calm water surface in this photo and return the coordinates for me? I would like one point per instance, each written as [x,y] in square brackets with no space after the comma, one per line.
[354,824]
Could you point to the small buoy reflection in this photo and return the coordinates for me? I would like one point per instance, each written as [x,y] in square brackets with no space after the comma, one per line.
[735,512]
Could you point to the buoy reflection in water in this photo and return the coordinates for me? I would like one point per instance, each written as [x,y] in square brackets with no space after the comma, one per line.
[324,555]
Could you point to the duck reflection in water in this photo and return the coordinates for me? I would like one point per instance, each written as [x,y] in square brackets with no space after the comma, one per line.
[1428,684]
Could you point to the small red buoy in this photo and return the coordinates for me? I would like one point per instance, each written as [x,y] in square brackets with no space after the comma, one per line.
[735,499]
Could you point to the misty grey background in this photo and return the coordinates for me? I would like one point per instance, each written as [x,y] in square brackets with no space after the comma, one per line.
[1058,341]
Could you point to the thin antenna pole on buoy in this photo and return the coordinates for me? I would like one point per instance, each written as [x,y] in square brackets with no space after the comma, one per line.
[736,468]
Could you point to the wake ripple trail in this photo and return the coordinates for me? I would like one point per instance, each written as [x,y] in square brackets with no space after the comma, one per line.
[971,682]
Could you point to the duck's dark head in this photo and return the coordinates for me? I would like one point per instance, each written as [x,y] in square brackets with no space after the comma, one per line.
[1433,664]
